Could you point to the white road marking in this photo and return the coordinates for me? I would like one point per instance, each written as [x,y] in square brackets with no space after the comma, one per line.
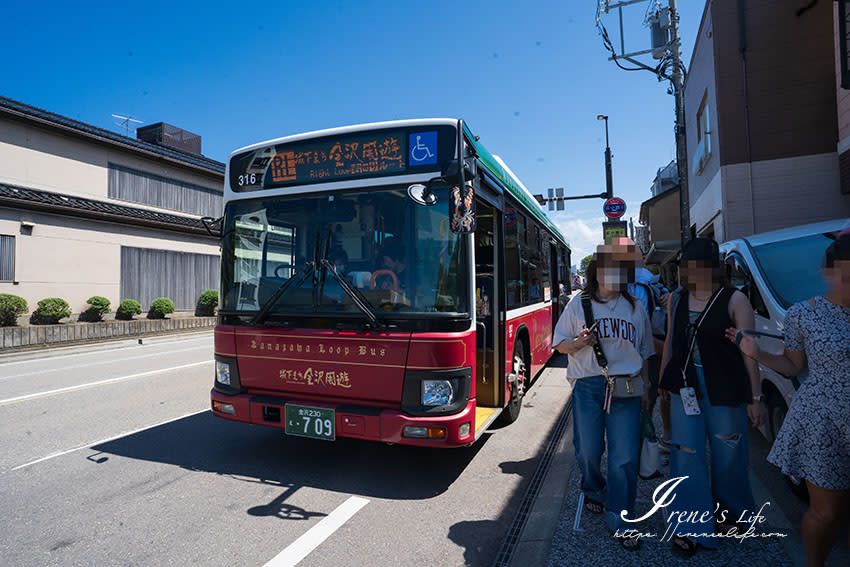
[107,440]
[97,351]
[99,383]
[312,538]
[102,362]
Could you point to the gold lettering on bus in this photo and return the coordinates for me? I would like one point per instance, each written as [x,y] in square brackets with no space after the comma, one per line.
[288,346]
[315,377]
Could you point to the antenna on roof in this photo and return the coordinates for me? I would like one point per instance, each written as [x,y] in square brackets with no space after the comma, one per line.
[125,122]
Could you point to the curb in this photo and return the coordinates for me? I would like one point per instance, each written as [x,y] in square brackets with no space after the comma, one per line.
[17,339]
[535,540]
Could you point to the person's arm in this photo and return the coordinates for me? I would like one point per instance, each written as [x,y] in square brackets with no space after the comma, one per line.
[584,339]
[743,317]
[789,363]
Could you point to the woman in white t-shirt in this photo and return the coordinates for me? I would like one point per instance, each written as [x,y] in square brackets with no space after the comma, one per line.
[624,331]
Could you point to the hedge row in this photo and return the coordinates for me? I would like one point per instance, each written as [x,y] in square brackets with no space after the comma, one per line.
[52,309]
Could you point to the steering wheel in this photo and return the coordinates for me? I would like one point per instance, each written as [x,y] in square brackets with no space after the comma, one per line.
[389,273]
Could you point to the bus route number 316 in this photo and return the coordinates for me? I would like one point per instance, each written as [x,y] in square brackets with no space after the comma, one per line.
[248,179]
[317,423]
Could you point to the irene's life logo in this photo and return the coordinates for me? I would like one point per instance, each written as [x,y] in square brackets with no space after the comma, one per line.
[681,522]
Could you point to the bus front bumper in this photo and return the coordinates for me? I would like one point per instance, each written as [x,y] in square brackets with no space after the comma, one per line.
[357,422]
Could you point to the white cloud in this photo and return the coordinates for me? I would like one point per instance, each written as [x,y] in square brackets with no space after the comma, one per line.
[583,237]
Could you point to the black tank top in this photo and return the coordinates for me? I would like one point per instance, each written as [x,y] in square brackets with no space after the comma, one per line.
[726,377]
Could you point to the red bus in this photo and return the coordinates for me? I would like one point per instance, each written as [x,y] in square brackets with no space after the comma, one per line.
[390,282]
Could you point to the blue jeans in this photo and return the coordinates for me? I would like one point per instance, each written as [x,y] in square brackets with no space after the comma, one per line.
[729,489]
[622,425]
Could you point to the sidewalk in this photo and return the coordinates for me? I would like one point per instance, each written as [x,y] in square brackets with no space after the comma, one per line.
[552,538]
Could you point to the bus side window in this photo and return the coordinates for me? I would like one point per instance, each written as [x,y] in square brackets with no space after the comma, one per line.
[512,265]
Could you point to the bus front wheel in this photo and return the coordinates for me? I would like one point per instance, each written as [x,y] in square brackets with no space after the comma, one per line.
[511,412]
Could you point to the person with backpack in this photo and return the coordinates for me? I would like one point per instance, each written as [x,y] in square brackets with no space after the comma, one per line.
[607,336]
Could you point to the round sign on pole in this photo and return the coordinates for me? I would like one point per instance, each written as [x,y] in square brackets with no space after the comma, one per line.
[614,208]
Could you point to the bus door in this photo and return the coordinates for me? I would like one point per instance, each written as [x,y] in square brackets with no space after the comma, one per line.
[487,305]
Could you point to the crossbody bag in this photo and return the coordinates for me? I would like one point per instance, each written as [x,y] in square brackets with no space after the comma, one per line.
[619,385]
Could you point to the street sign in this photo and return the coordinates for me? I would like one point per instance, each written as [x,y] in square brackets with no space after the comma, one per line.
[613,229]
[614,208]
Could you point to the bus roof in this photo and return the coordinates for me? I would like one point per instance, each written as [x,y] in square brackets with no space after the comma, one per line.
[494,165]
[497,168]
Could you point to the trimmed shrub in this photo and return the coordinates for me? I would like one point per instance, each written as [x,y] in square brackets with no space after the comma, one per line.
[207,303]
[160,307]
[50,311]
[99,306]
[127,309]
[11,307]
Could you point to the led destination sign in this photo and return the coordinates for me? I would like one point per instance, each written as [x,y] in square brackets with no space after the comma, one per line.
[349,156]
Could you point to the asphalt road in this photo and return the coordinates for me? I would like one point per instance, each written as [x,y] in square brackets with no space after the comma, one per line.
[111,457]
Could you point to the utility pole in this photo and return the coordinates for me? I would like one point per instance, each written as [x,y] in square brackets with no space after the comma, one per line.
[666,47]
[681,135]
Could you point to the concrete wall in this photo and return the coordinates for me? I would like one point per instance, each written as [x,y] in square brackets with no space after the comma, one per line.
[663,218]
[842,95]
[701,83]
[43,335]
[785,192]
[75,258]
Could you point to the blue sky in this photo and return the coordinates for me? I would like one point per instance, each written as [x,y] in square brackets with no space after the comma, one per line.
[529,77]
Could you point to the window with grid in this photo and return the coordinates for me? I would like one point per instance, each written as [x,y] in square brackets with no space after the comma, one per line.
[7,258]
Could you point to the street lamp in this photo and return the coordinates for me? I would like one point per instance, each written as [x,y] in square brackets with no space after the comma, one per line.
[609,182]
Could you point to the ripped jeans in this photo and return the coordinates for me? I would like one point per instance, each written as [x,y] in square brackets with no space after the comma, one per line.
[725,428]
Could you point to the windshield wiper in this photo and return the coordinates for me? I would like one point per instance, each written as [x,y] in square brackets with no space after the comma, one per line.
[356,296]
[309,270]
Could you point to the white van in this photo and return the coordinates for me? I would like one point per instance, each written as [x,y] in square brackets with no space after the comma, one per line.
[776,270]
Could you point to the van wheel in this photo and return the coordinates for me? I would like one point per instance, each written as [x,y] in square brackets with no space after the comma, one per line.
[777,409]
[511,412]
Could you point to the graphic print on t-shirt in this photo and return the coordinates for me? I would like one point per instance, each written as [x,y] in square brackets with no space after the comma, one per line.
[615,328]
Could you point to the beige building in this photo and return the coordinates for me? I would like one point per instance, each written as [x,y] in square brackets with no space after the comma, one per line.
[85,211]
[762,120]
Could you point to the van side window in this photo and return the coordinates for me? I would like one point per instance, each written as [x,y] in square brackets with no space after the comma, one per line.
[739,276]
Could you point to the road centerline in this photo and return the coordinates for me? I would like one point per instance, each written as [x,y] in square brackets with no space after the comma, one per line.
[312,538]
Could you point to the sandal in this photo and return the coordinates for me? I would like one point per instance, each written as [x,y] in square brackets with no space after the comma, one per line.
[684,546]
[630,543]
[593,506]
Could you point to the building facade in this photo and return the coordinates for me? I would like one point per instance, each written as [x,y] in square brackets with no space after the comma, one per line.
[85,211]
[762,119]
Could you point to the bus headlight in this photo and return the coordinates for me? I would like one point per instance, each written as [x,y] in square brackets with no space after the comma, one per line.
[222,373]
[227,375]
[437,392]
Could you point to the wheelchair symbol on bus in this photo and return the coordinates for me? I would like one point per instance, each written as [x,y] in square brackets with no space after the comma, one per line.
[423,148]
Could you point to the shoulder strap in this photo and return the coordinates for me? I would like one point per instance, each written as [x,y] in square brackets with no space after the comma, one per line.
[697,324]
[588,322]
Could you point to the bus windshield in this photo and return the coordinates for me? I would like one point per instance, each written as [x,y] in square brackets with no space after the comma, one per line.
[394,252]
